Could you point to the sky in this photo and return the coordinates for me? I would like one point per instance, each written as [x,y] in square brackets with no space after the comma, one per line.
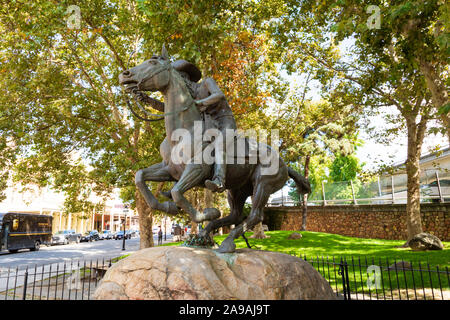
[372,152]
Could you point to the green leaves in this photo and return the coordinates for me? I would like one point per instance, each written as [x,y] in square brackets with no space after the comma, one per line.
[59,94]
[59,98]
[345,168]
[444,109]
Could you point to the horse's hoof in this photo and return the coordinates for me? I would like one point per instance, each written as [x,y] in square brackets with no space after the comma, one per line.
[227,246]
[211,214]
[170,207]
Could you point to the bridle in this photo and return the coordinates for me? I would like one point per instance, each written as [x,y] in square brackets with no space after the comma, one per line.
[165,67]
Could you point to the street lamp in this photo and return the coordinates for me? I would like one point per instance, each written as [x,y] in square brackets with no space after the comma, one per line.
[125,210]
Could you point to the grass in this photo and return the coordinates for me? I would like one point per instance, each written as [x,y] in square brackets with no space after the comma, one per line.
[113,260]
[319,248]
[318,244]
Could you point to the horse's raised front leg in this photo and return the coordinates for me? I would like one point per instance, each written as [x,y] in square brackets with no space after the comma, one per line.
[157,172]
[193,176]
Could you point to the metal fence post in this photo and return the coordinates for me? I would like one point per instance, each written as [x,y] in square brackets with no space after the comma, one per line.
[347,279]
[379,187]
[25,285]
[353,192]
[441,198]
[342,273]
[392,188]
[323,194]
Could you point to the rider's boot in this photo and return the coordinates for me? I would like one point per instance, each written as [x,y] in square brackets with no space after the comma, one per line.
[218,182]
[215,185]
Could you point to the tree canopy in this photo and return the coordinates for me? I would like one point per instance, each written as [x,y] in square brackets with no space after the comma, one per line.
[64,121]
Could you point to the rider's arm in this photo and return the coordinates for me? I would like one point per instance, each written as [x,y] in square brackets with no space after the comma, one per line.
[154,103]
[215,94]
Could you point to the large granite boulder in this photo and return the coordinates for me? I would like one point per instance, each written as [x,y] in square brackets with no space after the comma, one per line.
[166,273]
[401,265]
[425,241]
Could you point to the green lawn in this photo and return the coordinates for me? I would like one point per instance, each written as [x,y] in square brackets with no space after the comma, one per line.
[319,248]
[318,244]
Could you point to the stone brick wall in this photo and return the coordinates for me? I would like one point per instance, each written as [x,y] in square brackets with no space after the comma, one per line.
[364,221]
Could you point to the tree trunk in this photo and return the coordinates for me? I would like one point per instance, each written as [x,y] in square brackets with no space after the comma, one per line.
[415,140]
[196,204]
[145,219]
[208,198]
[209,203]
[194,227]
[305,196]
[145,222]
[438,91]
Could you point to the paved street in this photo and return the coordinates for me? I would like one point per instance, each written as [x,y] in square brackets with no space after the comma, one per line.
[103,249]
[44,264]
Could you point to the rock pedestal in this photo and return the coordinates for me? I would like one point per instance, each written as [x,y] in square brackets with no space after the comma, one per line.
[183,273]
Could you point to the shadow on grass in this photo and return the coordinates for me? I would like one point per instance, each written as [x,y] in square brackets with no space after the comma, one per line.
[317,244]
[324,251]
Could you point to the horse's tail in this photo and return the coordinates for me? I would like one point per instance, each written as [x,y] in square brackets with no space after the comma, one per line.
[301,182]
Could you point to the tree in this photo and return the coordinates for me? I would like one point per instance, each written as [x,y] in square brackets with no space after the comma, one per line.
[385,66]
[63,119]
[345,168]
[313,129]
[62,84]
[318,172]
[343,173]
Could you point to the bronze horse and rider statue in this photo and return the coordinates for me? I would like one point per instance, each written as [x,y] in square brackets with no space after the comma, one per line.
[188,103]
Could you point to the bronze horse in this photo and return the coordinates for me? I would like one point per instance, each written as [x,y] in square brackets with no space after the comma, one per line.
[242,180]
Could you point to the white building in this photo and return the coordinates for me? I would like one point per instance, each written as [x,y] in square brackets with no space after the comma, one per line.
[47,201]
[433,166]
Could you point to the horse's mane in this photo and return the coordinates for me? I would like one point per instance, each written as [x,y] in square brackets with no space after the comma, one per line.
[189,84]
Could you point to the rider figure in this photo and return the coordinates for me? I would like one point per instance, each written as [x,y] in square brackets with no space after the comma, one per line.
[209,99]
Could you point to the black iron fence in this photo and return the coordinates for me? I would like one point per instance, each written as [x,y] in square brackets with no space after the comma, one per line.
[380,279]
[350,278]
[74,280]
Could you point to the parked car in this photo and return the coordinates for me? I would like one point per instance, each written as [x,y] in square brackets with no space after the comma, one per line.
[106,235]
[95,235]
[119,235]
[66,236]
[90,236]
[131,233]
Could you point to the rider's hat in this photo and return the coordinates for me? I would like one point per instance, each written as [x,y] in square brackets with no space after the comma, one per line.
[193,72]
